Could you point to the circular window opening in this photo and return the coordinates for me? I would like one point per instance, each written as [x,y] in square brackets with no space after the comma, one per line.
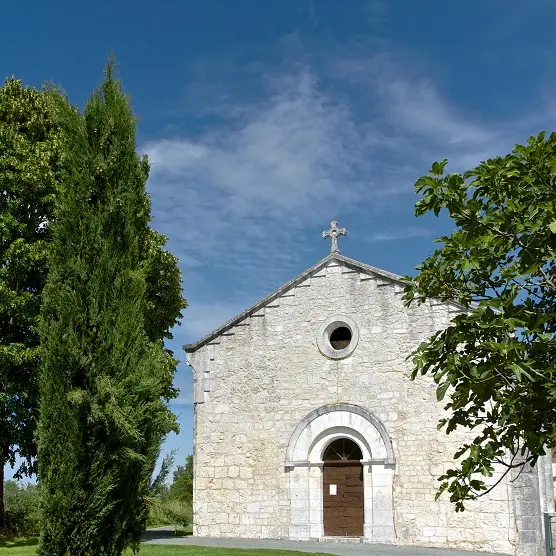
[340,338]
[337,337]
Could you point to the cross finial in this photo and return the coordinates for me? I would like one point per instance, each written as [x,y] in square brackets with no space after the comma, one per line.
[333,233]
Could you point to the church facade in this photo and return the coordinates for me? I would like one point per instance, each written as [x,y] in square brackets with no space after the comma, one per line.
[307,424]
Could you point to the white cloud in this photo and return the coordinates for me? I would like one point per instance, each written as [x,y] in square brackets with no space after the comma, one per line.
[402,233]
[291,149]
[420,122]
[203,317]
[317,143]
[186,399]
[249,182]
[417,107]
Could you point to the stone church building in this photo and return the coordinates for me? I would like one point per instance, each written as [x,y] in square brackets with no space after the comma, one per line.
[308,426]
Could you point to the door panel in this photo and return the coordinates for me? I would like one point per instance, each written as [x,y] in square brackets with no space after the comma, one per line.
[343,511]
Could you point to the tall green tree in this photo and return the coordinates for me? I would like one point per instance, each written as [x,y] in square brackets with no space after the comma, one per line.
[105,374]
[496,362]
[182,485]
[32,148]
[30,160]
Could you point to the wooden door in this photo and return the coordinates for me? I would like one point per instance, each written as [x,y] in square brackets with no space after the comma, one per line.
[343,499]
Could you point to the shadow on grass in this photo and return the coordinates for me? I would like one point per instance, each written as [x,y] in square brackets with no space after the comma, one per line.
[15,542]
[155,534]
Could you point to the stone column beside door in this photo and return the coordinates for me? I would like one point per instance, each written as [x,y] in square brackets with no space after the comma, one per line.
[379,523]
[315,501]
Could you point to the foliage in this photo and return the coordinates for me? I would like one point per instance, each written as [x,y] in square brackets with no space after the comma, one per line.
[158,487]
[164,294]
[30,172]
[182,485]
[22,508]
[104,374]
[496,361]
[29,165]
[172,505]
[170,511]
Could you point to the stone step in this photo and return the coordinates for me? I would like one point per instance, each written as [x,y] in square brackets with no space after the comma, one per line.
[353,540]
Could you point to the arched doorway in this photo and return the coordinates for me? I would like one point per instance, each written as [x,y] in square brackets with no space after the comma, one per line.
[304,465]
[343,493]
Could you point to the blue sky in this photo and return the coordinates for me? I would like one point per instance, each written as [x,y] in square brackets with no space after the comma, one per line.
[265,120]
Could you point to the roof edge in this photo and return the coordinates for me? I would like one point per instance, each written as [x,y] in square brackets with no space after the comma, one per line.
[368,269]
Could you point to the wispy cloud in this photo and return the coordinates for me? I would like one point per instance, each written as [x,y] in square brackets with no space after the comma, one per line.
[290,150]
[403,233]
[346,136]
[204,316]
[416,107]
[418,121]
[185,399]
[250,181]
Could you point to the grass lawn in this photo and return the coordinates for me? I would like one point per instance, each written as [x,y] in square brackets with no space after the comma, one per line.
[27,547]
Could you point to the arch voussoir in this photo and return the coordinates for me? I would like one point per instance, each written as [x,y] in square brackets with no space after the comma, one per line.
[348,416]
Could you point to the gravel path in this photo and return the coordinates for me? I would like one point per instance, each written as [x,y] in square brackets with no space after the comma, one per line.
[165,535]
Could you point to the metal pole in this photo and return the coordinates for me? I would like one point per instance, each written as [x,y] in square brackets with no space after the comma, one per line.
[548,533]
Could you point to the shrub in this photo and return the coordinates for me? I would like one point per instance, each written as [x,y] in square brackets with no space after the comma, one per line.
[167,511]
[22,508]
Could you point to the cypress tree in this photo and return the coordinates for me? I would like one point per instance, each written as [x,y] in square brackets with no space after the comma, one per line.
[103,378]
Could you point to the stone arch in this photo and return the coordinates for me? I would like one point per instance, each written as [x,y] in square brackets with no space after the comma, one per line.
[372,437]
[304,465]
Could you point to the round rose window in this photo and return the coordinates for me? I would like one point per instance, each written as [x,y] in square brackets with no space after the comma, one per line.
[338,337]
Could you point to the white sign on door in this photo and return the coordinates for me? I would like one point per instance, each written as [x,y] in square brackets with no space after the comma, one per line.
[333,490]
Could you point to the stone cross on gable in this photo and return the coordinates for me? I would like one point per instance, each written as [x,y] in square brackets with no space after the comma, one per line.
[333,234]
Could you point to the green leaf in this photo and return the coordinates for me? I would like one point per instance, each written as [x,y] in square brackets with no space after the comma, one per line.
[438,167]
[520,372]
[441,390]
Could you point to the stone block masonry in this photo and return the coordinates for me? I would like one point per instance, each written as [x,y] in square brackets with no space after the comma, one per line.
[261,380]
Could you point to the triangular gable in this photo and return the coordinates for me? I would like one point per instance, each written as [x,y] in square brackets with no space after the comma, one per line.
[346,261]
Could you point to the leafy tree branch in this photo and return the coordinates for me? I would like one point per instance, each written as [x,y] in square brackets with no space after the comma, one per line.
[496,360]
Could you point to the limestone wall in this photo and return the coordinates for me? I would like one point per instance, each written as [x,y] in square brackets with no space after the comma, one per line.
[258,381]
